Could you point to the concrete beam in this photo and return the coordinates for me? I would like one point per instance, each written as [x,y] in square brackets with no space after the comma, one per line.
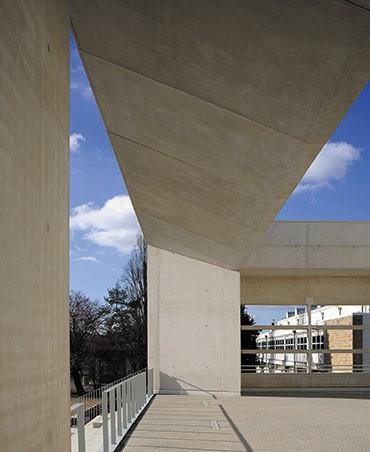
[285,290]
[34,175]
[215,111]
[312,249]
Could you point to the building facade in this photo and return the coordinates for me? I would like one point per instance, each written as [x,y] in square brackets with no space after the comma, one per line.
[326,338]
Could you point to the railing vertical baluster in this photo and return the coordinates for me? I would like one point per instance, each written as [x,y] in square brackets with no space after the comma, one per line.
[78,410]
[119,410]
[133,411]
[140,395]
[133,397]
[147,386]
[143,389]
[81,428]
[136,383]
[105,423]
[124,408]
[112,411]
[122,402]
[129,401]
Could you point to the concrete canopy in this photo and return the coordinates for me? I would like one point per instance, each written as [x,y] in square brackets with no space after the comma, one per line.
[216,109]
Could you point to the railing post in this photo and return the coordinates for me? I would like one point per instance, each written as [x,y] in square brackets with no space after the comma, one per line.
[81,428]
[79,410]
[124,406]
[309,302]
[129,410]
[112,411]
[143,389]
[134,392]
[140,391]
[134,380]
[105,422]
[149,382]
[119,409]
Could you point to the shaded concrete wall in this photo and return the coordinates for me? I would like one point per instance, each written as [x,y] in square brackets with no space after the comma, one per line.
[34,181]
[293,290]
[327,261]
[194,324]
[314,248]
[305,381]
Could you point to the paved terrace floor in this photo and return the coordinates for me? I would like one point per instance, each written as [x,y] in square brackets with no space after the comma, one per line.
[331,422]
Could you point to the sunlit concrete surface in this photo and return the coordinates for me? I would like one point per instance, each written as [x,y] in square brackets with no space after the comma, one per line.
[193,307]
[34,185]
[327,422]
[311,248]
[327,261]
[216,112]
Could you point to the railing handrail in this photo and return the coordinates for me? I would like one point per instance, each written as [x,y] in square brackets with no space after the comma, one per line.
[108,385]
[129,377]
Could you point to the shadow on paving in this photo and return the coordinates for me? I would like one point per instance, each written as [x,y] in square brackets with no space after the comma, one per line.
[186,423]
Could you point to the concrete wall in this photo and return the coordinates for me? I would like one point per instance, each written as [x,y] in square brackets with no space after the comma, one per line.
[293,290]
[194,324]
[328,261]
[312,249]
[34,182]
[305,381]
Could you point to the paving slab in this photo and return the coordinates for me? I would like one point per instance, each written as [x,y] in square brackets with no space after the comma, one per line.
[277,423]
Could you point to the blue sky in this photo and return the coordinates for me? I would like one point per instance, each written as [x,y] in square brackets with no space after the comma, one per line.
[103,225]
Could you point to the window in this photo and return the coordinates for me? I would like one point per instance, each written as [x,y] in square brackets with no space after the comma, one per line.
[318,342]
[302,343]
[289,343]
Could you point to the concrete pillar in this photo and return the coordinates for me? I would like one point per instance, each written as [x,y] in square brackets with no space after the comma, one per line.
[194,325]
[34,183]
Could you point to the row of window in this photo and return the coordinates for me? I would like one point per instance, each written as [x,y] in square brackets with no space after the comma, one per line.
[288,343]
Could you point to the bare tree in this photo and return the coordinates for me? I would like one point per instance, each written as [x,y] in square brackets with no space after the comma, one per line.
[86,323]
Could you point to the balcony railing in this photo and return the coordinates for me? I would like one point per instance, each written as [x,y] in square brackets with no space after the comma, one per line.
[122,404]
[92,400]
[119,405]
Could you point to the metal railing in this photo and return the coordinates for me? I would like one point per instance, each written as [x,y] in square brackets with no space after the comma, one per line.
[77,410]
[122,404]
[278,366]
[92,400]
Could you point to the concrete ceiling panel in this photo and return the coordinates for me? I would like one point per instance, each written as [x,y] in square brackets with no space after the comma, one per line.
[216,109]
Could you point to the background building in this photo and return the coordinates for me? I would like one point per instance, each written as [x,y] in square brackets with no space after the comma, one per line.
[331,350]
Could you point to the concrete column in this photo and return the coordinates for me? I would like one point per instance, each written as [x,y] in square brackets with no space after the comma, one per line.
[194,325]
[34,182]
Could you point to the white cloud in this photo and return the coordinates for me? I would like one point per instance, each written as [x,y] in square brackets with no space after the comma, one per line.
[113,225]
[87,259]
[75,140]
[330,165]
[82,87]
[87,92]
